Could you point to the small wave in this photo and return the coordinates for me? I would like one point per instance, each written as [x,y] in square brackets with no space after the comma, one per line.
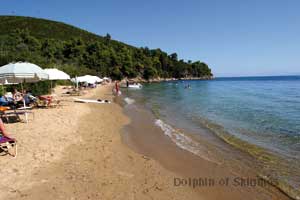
[185,142]
[129,100]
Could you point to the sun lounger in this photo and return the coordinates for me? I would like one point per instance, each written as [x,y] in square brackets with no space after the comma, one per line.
[8,146]
[7,113]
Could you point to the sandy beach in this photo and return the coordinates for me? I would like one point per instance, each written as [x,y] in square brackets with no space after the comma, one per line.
[75,152]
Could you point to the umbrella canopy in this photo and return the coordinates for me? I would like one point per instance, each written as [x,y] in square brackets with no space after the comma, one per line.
[87,79]
[55,74]
[7,83]
[20,72]
[97,79]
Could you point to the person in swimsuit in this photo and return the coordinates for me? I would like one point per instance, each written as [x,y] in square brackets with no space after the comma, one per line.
[2,129]
[117,88]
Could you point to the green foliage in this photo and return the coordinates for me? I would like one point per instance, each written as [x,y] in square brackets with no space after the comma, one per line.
[150,72]
[39,88]
[78,52]
[2,90]
[117,74]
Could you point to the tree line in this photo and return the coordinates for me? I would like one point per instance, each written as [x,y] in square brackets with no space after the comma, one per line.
[105,57]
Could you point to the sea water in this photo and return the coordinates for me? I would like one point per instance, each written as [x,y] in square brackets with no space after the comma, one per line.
[258,115]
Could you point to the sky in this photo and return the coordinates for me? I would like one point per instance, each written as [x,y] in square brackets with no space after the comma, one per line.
[234,37]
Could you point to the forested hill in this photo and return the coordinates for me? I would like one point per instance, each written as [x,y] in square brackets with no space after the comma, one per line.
[76,51]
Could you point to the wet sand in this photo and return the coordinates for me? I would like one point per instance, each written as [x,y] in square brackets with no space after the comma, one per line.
[146,138]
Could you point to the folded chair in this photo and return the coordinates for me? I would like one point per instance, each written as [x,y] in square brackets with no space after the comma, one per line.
[8,146]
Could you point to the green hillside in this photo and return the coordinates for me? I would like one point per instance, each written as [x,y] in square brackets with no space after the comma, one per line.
[42,28]
[76,51]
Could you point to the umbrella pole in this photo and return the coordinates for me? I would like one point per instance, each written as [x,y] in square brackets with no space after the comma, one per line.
[24,104]
[76,83]
[22,88]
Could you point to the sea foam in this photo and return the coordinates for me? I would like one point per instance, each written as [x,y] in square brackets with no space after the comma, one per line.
[184,142]
[129,100]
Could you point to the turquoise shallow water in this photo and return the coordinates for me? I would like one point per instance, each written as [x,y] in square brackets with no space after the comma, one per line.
[261,111]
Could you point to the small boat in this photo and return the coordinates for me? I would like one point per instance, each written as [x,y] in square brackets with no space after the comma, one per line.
[136,86]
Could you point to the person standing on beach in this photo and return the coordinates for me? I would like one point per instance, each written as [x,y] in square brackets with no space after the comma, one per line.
[117,87]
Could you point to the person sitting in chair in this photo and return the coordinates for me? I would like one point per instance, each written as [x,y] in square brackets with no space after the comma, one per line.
[17,96]
[2,129]
[7,100]
[3,101]
[8,145]
[29,98]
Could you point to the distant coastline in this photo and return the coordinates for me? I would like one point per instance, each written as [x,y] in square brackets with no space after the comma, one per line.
[258,76]
[158,79]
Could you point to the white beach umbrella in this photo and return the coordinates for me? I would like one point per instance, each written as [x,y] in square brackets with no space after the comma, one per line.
[55,74]
[22,72]
[87,79]
[79,79]
[106,78]
[7,83]
[97,79]
[90,79]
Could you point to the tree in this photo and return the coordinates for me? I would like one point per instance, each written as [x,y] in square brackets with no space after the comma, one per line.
[174,56]
[107,38]
[150,72]
[116,74]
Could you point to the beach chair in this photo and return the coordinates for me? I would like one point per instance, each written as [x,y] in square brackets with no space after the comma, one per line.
[8,146]
[7,113]
[47,102]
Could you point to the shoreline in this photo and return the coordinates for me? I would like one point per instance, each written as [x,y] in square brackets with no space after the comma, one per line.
[188,131]
[146,138]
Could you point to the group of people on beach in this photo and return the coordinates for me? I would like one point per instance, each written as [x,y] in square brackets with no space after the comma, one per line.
[17,98]
[12,100]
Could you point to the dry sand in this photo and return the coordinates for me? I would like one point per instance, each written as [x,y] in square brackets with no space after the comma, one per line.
[75,152]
